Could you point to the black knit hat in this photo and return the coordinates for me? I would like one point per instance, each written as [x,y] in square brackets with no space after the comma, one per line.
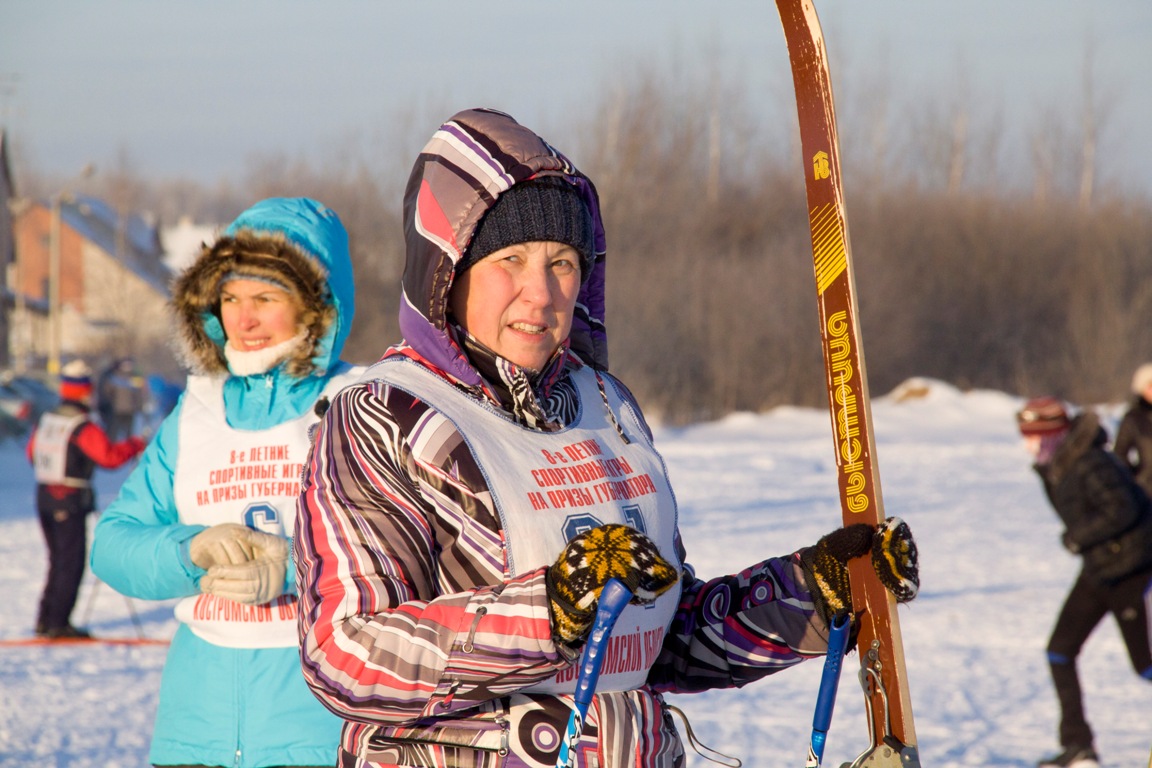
[541,209]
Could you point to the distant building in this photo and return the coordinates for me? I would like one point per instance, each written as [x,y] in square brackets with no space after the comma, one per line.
[113,283]
[183,241]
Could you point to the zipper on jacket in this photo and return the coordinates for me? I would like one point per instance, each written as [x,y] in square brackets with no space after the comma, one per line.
[468,644]
[505,728]
[238,755]
[377,741]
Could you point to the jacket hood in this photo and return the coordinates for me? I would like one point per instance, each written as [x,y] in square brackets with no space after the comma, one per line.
[296,241]
[470,161]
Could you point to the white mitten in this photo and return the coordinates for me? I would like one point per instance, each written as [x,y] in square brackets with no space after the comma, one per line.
[253,583]
[256,582]
[223,544]
[243,564]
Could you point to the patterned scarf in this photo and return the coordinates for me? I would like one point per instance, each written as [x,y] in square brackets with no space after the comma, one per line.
[522,391]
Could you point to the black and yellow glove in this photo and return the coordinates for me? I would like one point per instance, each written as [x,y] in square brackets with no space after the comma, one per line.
[826,568]
[894,559]
[578,576]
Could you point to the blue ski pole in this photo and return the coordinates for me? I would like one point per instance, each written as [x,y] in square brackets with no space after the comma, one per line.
[829,680]
[613,598]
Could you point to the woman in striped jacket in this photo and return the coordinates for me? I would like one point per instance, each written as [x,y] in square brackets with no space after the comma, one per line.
[466,501]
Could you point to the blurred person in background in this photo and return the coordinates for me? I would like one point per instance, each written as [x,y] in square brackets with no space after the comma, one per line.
[1107,521]
[65,448]
[1133,442]
[263,314]
[120,397]
[162,398]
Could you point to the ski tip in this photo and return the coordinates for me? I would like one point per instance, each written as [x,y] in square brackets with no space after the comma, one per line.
[18,642]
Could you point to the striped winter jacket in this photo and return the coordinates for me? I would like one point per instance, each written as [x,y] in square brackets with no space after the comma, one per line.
[412,629]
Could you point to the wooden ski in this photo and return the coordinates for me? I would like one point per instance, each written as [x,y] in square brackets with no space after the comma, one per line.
[882,672]
[16,642]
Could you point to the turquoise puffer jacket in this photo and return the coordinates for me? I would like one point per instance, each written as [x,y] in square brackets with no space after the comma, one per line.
[240,707]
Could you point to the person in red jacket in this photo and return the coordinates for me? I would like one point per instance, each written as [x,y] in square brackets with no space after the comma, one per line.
[65,449]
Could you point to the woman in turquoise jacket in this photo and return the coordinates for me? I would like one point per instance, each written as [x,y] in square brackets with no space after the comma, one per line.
[262,314]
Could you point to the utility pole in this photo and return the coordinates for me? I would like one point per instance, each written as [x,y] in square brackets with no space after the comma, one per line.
[55,319]
[8,267]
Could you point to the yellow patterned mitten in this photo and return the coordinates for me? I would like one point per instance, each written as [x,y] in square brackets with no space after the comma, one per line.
[577,577]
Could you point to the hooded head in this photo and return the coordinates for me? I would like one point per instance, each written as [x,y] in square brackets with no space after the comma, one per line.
[453,217]
[295,244]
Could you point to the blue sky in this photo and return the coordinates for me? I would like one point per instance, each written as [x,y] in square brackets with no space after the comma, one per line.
[195,89]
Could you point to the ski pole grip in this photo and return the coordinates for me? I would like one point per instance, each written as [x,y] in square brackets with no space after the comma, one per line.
[613,598]
[826,699]
[826,696]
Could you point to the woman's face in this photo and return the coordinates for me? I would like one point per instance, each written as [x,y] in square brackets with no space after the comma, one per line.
[257,315]
[518,301]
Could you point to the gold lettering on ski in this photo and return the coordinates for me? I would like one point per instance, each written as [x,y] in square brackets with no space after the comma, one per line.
[821,169]
[850,447]
[828,251]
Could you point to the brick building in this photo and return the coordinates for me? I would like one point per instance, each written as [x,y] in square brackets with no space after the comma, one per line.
[113,284]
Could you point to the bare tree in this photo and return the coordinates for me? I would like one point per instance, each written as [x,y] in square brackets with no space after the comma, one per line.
[963,275]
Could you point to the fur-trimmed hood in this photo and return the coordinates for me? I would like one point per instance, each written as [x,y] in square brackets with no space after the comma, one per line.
[468,163]
[293,241]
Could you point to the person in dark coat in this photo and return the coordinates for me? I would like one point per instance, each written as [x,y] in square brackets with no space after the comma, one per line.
[65,449]
[120,396]
[1133,442]
[1108,522]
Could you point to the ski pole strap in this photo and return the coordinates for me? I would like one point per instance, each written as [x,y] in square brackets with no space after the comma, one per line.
[613,598]
[702,749]
[829,682]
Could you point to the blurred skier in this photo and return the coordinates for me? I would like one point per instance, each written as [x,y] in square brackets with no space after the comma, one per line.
[119,398]
[1108,523]
[65,449]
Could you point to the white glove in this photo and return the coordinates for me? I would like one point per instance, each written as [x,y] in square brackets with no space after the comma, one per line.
[256,582]
[243,564]
[224,544]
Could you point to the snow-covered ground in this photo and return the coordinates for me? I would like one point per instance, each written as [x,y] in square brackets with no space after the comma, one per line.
[951,463]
